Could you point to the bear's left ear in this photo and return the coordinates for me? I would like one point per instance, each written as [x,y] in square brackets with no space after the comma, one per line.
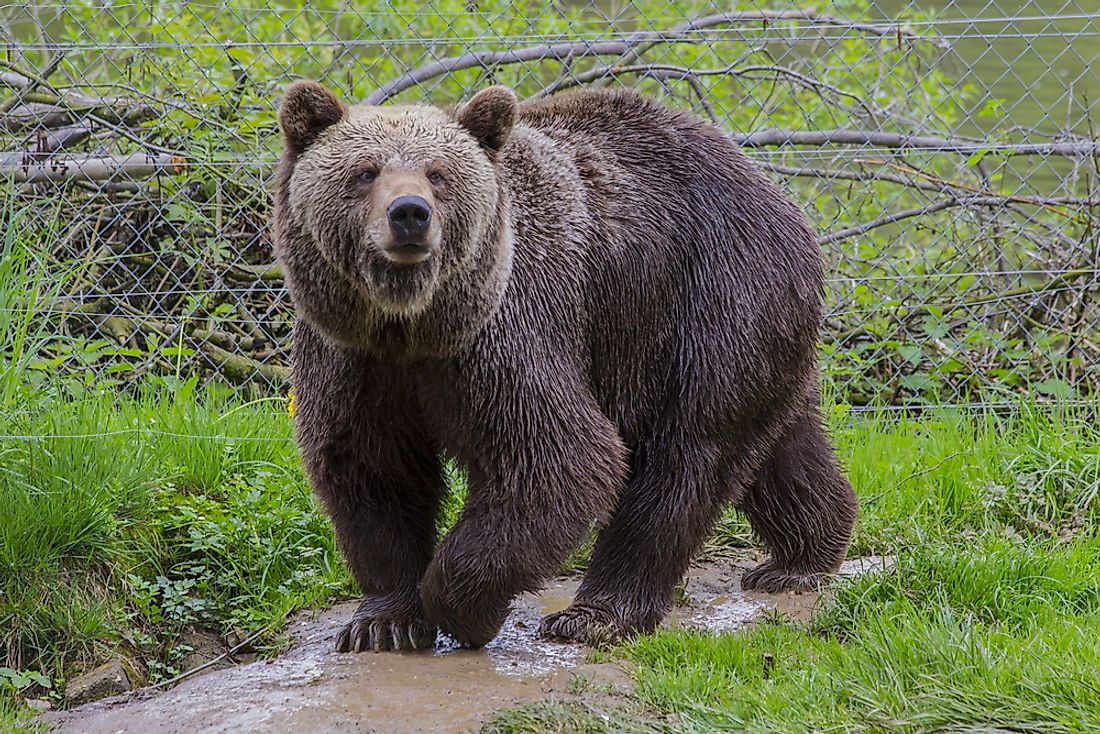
[489,117]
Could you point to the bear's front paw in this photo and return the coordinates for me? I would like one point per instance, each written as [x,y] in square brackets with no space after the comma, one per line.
[593,625]
[454,601]
[376,627]
[773,579]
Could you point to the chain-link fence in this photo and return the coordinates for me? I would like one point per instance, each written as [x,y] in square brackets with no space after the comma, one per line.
[948,157]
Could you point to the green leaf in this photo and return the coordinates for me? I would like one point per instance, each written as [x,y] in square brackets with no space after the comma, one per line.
[1056,388]
[977,157]
[910,352]
[919,383]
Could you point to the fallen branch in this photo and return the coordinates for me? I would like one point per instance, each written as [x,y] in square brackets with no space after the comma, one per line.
[668,71]
[68,136]
[209,663]
[886,219]
[242,368]
[30,89]
[1049,204]
[763,16]
[28,168]
[35,115]
[913,181]
[233,365]
[838,174]
[819,138]
[246,273]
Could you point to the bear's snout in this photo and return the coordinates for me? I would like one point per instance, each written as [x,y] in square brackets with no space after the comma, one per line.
[410,219]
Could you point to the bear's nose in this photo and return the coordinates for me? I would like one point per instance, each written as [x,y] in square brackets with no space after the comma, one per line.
[409,217]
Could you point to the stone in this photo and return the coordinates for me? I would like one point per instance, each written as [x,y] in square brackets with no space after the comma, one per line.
[205,645]
[109,679]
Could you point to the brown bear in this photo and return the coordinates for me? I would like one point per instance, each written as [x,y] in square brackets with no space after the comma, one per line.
[597,307]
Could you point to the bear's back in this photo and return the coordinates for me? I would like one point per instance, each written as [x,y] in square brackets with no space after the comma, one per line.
[654,174]
[680,235]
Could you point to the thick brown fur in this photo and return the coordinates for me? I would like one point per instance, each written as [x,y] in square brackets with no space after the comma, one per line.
[615,325]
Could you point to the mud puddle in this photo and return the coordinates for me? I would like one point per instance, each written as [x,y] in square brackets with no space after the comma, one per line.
[312,689]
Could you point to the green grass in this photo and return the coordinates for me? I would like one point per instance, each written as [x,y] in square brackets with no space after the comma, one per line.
[948,474]
[557,717]
[975,640]
[129,518]
[988,622]
[980,639]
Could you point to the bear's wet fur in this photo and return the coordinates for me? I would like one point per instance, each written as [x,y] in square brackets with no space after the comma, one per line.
[606,315]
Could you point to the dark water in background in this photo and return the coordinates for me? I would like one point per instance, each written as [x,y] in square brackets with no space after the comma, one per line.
[1046,72]
[1028,72]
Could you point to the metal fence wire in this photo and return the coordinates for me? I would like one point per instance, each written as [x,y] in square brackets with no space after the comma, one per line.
[948,156]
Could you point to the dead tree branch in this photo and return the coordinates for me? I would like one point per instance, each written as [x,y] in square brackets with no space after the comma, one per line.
[920,181]
[904,141]
[668,71]
[629,50]
[36,89]
[35,115]
[886,219]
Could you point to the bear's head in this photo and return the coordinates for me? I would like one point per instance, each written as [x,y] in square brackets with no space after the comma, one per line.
[401,204]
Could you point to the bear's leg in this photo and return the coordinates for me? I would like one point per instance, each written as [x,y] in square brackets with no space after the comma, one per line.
[675,494]
[385,528]
[557,466]
[380,482]
[802,508]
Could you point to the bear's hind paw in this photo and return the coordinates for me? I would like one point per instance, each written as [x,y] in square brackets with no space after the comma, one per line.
[591,625]
[773,579]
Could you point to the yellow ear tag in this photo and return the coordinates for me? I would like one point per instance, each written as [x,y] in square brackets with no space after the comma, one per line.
[291,403]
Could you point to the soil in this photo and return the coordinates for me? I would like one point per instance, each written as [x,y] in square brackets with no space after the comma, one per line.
[312,689]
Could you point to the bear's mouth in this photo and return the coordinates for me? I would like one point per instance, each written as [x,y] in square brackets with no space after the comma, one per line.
[407,253]
[402,277]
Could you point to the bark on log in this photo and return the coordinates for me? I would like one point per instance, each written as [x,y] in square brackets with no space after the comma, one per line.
[33,116]
[28,168]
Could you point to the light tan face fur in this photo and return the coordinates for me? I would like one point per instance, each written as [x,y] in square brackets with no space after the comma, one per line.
[391,185]
[345,185]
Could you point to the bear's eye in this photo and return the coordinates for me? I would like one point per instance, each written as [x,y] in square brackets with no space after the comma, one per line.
[436,178]
[367,175]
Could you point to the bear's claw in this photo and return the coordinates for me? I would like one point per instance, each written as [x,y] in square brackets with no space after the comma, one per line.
[591,625]
[773,579]
[380,634]
[384,623]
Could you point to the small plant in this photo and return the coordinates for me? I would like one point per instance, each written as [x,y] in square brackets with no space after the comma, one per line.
[15,681]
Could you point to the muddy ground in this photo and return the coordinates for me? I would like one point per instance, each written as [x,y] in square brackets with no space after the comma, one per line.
[312,689]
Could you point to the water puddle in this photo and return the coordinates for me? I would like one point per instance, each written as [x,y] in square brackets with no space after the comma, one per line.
[517,651]
[312,689]
[715,602]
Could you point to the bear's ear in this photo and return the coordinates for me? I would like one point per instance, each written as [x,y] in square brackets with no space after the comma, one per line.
[489,117]
[306,111]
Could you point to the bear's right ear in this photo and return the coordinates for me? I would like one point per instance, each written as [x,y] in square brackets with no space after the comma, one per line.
[489,117]
[306,111]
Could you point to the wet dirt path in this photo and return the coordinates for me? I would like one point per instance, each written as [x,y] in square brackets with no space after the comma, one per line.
[312,689]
